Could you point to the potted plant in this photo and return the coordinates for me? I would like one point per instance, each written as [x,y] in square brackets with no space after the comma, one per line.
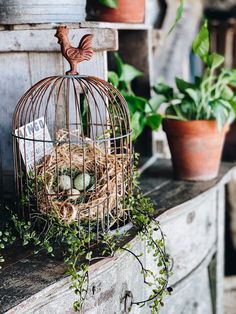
[120,11]
[198,114]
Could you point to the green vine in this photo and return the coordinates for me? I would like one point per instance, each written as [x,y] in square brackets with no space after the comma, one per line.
[79,245]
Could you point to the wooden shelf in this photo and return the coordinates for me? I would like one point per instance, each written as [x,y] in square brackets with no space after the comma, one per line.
[118,26]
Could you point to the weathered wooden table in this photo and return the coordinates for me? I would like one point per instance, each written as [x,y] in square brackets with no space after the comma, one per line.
[192,217]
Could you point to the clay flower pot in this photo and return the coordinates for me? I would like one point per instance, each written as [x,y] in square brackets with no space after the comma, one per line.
[127,11]
[196,148]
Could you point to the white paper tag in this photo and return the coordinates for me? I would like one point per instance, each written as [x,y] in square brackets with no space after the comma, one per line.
[33,151]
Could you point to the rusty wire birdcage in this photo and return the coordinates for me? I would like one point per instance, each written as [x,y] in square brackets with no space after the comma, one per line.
[72,146]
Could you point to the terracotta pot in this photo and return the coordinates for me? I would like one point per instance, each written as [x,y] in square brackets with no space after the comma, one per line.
[127,11]
[196,148]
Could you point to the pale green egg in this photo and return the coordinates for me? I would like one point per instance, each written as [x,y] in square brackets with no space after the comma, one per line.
[64,182]
[73,194]
[82,181]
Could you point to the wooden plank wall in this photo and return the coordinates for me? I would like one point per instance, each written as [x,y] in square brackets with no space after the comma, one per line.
[28,55]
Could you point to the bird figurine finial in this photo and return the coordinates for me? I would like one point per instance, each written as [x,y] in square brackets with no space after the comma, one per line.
[74,55]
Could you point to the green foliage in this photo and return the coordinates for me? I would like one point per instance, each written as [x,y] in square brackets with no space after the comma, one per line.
[151,233]
[179,14]
[7,237]
[201,44]
[208,98]
[79,245]
[142,111]
[109,3]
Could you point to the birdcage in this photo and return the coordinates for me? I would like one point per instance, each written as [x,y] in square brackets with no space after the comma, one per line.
[72,146]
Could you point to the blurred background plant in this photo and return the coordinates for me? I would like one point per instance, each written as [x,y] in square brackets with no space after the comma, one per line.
[143,111]
[109,3]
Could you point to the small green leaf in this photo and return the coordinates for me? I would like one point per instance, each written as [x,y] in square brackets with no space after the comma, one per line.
[49,249]
[193,94]
[201,43]
[89,255]
[119,63]
[165,90]
[154,121]
[137,124]
[135,103]
[233,77]
[109,3]
[129,73]
[227,93]
[214,60]
[154,103]
[179,14]
[183,85]
[113,78]
[198,81]
[175,110]
[25,242]
[220,113]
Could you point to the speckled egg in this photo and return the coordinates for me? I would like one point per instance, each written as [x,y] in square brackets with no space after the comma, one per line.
[64,182]
[82,181]
[73,194]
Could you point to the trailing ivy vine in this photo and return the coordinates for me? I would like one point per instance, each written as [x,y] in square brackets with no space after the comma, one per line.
[79,247]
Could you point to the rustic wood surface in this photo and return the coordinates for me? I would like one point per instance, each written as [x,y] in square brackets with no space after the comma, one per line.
[230,295]
[29,54]
[41,11]
[24,275]
[42,40]
[192,295]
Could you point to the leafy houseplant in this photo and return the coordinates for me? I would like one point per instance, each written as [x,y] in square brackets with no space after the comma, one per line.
[198,114]
[142,110]
[120,11]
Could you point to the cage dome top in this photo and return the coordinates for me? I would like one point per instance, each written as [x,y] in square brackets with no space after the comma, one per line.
[73,101]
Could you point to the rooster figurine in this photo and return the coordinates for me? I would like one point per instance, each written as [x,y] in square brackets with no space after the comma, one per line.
[74,55]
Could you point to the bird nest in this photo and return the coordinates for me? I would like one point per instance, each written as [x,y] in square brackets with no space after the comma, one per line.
[104,197]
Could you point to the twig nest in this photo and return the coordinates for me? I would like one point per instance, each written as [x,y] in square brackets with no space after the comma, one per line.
[65,183]
[73,194]
[82,181]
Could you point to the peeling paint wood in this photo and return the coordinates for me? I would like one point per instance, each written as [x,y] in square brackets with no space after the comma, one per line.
[38,11]
[193,294]
[190,214]
[43,40]
[220,250]
[14,81]
[197,223]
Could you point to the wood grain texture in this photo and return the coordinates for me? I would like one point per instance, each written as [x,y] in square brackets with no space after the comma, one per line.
[41,11]
[230,295]
[188,215]
[198,223]
[220,250]
[192,295]
[15,80]
[42,40]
